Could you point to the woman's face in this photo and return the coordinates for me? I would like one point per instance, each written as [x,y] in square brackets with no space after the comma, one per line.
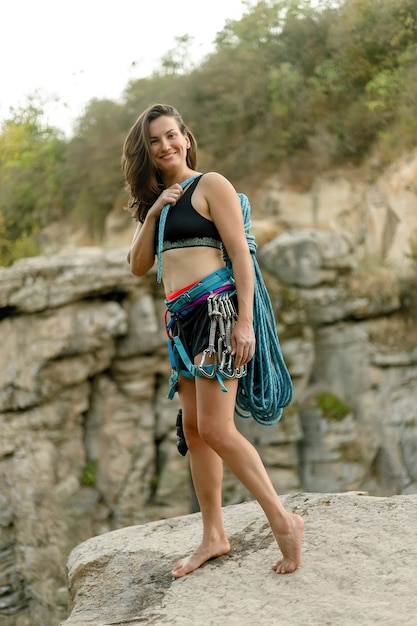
[168,145]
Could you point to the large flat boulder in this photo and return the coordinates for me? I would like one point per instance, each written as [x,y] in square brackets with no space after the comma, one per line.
[359,568]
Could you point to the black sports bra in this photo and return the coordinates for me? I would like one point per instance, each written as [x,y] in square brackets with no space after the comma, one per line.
[186,228]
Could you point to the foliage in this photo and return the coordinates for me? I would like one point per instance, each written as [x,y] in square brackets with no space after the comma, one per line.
[92,176]
[12,249]
[31,159]
[88,474]
[289,80]
[332,407]
[413,247]
[179,59]
[369,47]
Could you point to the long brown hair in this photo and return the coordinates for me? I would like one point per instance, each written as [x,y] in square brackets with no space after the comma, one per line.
[143,180]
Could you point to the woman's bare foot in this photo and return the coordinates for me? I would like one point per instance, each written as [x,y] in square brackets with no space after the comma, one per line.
[290,546]
[199,556]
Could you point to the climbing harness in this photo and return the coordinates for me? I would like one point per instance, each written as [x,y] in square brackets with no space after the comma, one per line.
[265,386]
[216,290]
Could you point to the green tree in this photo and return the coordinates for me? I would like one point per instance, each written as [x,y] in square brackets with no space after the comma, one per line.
[93,177]
[179,60]
[357,75]
[31,155]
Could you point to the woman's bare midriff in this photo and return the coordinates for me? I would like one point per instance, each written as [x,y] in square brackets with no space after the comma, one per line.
[184,266]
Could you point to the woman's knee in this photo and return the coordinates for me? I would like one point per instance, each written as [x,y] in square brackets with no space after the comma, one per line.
[217,436]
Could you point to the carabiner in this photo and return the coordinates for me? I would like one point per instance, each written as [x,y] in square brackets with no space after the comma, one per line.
[240,371]
[200,367]
[223,366]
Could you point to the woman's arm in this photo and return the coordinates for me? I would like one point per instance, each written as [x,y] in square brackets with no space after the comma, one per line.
[226,212]
[141,254]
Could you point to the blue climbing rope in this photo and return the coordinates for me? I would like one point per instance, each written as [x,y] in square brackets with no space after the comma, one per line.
[267,387]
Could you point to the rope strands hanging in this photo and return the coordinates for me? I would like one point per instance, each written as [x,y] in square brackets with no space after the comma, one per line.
[267,387]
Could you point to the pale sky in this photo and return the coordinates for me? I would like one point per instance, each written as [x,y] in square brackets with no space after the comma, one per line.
[82,49]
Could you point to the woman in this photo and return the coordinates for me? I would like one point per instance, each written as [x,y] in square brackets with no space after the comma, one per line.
[158,155]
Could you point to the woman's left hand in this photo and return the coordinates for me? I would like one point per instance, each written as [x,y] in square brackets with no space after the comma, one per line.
[243,343]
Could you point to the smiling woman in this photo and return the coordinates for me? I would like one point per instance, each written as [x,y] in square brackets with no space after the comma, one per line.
[210,324]
[66,52]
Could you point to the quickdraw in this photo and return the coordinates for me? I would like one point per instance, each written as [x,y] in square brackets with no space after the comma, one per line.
[223,316]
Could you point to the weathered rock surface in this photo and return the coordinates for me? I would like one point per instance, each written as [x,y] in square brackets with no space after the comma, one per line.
[359,567]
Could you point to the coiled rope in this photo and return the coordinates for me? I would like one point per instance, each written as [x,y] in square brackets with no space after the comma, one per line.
[267,387]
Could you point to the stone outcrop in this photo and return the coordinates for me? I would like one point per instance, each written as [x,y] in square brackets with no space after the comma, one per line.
[359,567]
[88,437]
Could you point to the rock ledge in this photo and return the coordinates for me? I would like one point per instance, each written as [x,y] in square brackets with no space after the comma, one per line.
[359,567]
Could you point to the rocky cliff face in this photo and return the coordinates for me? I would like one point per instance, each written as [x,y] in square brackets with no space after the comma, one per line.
[88,437]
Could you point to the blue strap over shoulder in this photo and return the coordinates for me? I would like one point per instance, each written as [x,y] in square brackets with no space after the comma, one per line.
[161,231]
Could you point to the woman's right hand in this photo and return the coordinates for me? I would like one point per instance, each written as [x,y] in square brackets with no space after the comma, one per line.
[141,255]
[170,195]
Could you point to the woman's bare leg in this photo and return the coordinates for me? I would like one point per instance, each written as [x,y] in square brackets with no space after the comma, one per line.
[215,411]
[207,473]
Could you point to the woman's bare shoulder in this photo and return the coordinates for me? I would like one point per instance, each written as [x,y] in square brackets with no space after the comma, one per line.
[214,177]
[214,181]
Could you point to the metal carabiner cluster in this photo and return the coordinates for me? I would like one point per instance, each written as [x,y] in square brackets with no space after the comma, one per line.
[223,316]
